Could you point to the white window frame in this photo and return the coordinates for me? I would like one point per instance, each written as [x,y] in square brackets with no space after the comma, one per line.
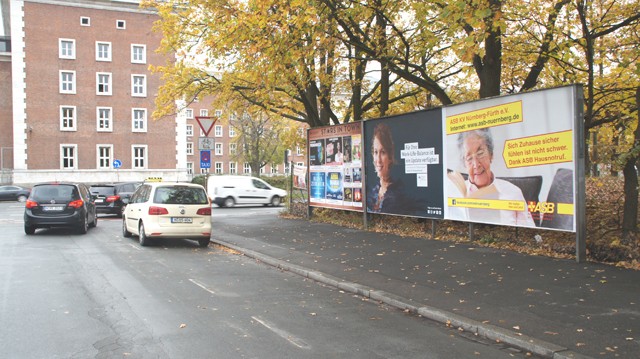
[233,168]
[100,159]
[217,131]
[135,121]
[232,131]
[63,49]
[99,53]
[274,168]
[65,156]
[218,149]
[298,151]
[73,118]
[138,90]
[233,148]
[218,168]
[135,159]
[217,113]
[71,85]
[142,54]
[189,131]
[85,21]
[204,171]
[109,84]
[246,168]
[204,112]
[189,148]
[123,26]
[188,113]
[190,168]
[108,121]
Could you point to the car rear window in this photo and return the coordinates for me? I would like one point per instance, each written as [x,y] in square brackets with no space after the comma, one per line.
[102,190]
[180,195]
[55,192]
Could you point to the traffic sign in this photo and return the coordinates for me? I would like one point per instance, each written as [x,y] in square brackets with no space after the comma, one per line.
[117,163]
[206,123]
[206,143]
[205,159]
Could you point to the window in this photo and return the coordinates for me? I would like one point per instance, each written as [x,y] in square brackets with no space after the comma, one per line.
[261,170]
[67,82]
[85,21]
[189,148]
[274,168]
[68,156]
[299,164]
[121,24]
[104,120]
[103,83]
[233,148]
[190,168]
[232,131]
[204,113]
[247,168]
[218,113]
[218,131]
[204,171]
[103,51]
[67,118]
[138,54]
[188,113]
[298,150]
[104,159]
[189,131]
[139,85]
[233,168]
[139,120]
[218,168]
[218,149]
[139,156]
[67,49]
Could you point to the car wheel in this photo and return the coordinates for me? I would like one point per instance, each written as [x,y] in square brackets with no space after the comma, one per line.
[121,214]
[95,221]
[29,229]
[204,242]
[275,201]
[142,237]
[125,232]
[229,202]
[22,198]
[84,226]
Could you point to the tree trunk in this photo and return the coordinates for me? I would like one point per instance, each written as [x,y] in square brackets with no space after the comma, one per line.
[630,216]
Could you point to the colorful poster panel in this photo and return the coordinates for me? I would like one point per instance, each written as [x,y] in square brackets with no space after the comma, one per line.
[404,165]
[510,160]
[335,166]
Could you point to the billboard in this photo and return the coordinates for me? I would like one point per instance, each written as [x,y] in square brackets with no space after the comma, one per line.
[404,164]
[335,166]
[510,160]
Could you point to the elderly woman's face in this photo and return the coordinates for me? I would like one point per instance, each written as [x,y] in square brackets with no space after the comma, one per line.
[477,159]
[381,159]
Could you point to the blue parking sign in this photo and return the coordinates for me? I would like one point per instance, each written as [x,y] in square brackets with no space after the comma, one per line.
[205,159]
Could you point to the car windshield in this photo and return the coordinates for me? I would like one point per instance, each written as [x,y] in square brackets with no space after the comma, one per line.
[180,195]
[102,190]
[54,192]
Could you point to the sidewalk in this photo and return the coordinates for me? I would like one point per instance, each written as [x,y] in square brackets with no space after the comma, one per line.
[552,308]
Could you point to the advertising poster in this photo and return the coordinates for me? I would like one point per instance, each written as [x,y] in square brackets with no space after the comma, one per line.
[335,166]
[300,177]
[404,164]
[510,160]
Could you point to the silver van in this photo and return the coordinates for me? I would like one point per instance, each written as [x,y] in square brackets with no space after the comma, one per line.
[227,191]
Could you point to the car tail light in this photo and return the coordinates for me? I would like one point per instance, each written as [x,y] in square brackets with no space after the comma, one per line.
[31,204]
[76,204]
[156,211]
[204,211]
[112,198]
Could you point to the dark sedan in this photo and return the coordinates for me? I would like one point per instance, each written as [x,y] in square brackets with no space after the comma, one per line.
[14,193]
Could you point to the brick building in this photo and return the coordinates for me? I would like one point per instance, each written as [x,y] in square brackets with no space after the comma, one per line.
[76,98]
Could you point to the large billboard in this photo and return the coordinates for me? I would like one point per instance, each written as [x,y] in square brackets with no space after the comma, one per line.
[404,164]
[335,166]
[511,160]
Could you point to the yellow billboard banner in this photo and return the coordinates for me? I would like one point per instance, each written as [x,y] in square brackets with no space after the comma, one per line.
[539,150]
[487,203]
[487,117]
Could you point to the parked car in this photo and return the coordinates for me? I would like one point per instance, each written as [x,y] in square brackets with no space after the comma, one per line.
[112,198]
[14,193]
[59,204]
[228,191]
[168,210]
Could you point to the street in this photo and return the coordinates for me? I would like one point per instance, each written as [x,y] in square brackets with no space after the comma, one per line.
[100,295]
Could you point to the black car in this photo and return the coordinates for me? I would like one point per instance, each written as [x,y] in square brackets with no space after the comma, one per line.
[112,198]
[14,193]
[60,204]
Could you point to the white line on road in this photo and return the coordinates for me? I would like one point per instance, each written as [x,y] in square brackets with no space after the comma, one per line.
[134,246]
[283,334]
[202,286]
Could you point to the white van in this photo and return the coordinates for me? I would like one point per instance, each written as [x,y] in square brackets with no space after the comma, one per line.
[227,191]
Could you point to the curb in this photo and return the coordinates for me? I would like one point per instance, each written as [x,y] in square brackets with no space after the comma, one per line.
[517,340]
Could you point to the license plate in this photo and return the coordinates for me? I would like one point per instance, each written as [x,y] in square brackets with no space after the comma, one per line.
[99,200]
[50,208]
[181,220]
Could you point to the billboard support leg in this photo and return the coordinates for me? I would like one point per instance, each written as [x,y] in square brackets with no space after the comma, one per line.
[433,229]
[471,236]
